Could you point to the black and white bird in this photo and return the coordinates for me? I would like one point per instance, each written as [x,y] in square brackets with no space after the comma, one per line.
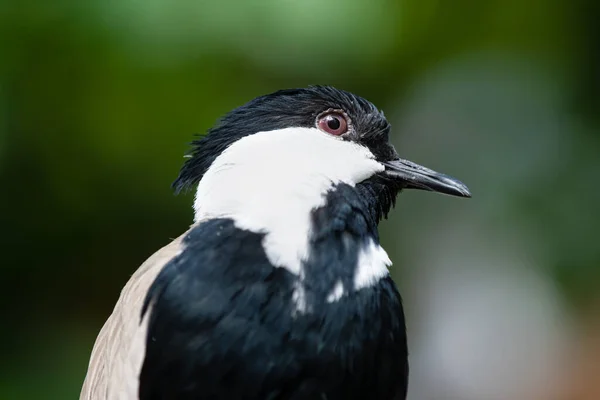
[280,289]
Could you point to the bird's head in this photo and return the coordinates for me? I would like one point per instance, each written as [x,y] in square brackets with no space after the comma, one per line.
[317,132]
[270,162]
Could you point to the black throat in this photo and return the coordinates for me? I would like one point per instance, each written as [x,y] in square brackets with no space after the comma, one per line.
[340,230]
[225,322]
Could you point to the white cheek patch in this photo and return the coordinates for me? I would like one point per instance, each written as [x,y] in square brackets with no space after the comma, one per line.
[372,266]
[271,181]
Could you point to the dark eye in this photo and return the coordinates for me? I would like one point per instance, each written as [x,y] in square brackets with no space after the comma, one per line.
[334,123]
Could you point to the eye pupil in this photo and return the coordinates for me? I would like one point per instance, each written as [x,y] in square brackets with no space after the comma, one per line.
[333,123]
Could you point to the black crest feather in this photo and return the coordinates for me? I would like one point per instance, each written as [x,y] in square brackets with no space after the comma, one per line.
[282,109]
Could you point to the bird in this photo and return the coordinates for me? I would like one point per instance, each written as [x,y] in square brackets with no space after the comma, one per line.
[280,288]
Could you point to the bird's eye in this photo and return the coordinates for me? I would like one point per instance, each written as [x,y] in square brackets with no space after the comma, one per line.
[334,123]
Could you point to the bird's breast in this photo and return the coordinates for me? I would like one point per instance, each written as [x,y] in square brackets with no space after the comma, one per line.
[224,324]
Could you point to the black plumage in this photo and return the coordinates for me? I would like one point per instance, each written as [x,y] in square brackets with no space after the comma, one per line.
[223,325]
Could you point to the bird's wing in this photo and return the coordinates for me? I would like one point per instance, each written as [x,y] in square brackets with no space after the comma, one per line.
[117,356]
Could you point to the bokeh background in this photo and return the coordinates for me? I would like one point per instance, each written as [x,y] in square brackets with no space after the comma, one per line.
[99,99]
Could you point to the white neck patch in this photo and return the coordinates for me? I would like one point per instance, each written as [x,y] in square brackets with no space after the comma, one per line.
[271,181]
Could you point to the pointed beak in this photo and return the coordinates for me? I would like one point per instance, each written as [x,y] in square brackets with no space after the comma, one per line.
[415,176]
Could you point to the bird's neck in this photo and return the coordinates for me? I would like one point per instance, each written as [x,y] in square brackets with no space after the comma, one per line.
[271,182]
[283,214]
[331,245]
[343,250]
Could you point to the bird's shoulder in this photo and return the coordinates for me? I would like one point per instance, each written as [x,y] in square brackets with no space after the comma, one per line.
[211,312]
[221,312]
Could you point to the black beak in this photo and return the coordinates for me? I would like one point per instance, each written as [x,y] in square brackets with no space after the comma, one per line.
[414,176]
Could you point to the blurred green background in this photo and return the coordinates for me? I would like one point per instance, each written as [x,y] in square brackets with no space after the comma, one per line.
[99,99]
